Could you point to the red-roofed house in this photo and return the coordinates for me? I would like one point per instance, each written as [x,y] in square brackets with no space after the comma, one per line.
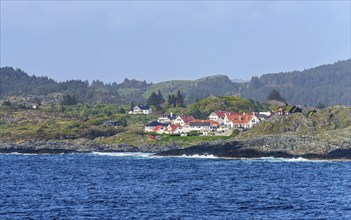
[240,121]
[174,129]
[159,129]
[182,120]
[199,125]
[218,116]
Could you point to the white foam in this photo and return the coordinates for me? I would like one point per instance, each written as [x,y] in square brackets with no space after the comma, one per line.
[279,159]
[30,154]
[207,156]
[123,154]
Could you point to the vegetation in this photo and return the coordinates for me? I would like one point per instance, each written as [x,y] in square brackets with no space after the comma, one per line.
[274,95]
[83,121]
[202,108]
[156,100]
[334,118]
[176,100]
[327,84]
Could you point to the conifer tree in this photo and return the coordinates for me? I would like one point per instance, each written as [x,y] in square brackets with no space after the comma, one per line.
[274,95]
[180,99]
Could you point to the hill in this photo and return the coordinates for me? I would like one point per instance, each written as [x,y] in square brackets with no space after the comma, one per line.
[326,84]
[204,107]
[217,85]
[15,82]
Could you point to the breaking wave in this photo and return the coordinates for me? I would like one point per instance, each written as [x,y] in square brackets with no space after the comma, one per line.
[279,159]
[123,154]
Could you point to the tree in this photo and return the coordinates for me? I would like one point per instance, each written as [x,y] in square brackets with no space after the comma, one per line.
[274,95]
[180,99]
[172,100]
[156,99]
[153,99]
[160,98]
[6,103]
[121,110]
[132,105]
[69,100]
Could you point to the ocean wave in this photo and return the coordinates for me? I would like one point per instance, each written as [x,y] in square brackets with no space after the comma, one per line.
[207,156]
[123,154]
[280,159]
[17,153]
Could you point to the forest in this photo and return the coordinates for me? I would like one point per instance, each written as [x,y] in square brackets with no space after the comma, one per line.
[326,84]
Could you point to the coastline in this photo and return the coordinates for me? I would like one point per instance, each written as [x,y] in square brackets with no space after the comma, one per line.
[260,147]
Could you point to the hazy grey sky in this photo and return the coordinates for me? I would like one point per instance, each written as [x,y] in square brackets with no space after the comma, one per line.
[163,40]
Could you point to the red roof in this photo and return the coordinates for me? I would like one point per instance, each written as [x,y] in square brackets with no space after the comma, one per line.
[220,113]
[240,119]
[173,126]
[158,127]
[202,121]
[187,119]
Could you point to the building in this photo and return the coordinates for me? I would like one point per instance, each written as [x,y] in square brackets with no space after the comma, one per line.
[183,120]
[241,121]
[287,110]
[218,116]
[203,125]
[137,110]
[167,118]
[149,127]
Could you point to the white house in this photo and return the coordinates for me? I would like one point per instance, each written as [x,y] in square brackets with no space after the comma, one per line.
[244,121]
[218,116]
[160,129]
[141,110]
[167,118]
[182,120]
[175,129]
[151,126]
[203,125]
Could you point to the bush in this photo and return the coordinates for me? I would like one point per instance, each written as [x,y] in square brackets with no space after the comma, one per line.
[193,133]
[93,133]
[235,133]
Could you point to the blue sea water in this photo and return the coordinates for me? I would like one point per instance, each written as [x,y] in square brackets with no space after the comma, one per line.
[137,186]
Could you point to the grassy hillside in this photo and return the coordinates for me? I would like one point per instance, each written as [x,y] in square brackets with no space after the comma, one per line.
[225,103]
[193,90]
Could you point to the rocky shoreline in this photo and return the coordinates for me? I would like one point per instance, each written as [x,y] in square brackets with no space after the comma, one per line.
[51,147]
[282,146]
[236,150]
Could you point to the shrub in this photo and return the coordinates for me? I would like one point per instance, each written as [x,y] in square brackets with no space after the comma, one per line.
[235,133]
[193,133]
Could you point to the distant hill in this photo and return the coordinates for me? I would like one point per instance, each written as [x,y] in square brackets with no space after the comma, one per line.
[15,82]
[218,85]
[328,84]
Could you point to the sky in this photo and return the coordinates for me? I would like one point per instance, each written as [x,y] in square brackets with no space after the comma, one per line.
[171,40]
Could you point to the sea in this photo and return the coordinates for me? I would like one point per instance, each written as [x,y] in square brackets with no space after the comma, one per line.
[143,186]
